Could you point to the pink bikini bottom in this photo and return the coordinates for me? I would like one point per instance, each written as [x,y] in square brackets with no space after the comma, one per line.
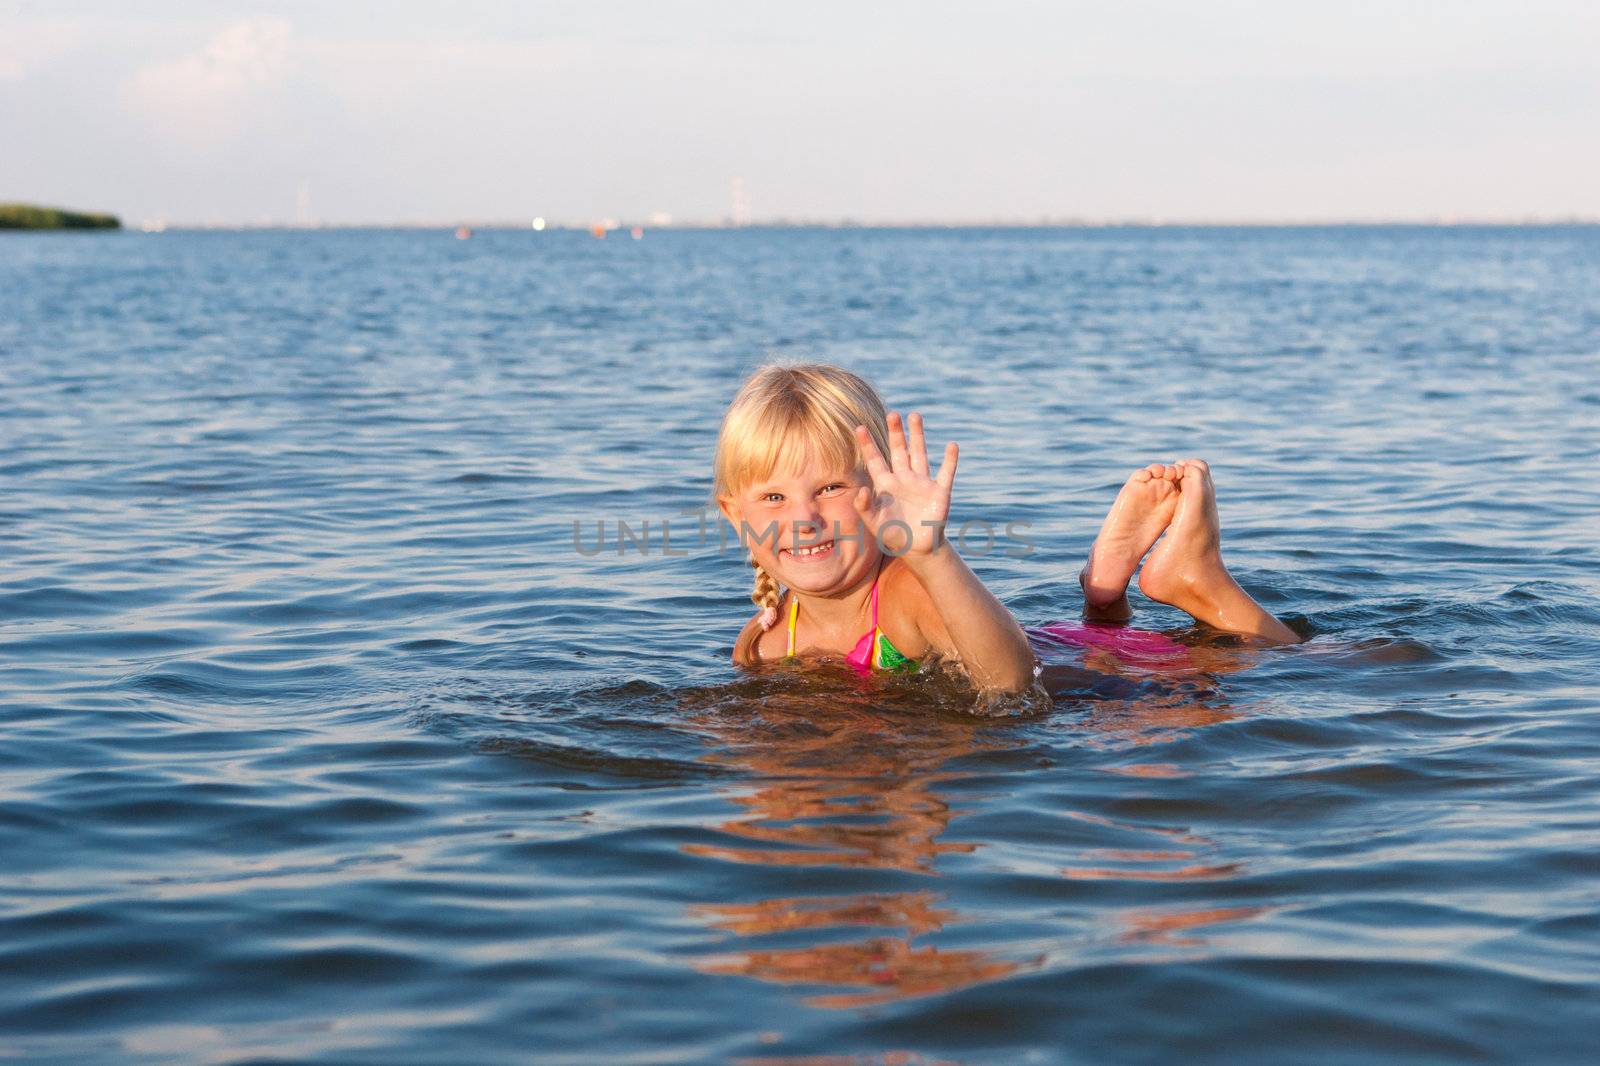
[1138,647]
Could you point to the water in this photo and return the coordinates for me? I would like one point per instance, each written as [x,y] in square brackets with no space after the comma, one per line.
[324,742]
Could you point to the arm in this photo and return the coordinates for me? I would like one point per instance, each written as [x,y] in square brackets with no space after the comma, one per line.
[913,506]
[988,640]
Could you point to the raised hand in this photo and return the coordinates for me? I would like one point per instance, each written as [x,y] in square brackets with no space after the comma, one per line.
[905,508]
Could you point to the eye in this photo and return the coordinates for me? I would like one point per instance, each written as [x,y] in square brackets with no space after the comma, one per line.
[833,489]
[771,497]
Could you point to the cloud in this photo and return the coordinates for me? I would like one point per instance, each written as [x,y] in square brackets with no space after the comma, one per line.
[206,97]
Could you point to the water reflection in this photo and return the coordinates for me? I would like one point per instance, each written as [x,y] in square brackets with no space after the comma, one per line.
[887,967]
[843,777]
[888,822]
[886,1058]
[836,772]
[1157,718]
[1140,698]
[1177,928]
[1178,854]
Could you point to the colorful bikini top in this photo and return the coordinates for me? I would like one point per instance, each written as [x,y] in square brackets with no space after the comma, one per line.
[872,651]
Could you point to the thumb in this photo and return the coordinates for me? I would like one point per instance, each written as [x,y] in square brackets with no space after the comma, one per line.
[863,501]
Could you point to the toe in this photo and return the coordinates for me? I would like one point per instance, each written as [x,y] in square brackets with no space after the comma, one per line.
[1197,478]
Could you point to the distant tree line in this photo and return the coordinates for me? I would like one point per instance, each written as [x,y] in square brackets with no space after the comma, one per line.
[31,216]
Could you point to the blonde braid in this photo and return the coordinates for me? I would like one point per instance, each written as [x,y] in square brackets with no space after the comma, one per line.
[765,595]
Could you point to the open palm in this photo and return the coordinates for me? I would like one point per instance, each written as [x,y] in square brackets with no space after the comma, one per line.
[905,509]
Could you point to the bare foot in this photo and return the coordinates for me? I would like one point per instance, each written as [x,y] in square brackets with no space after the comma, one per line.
[1186,569]
[1138,515]
[1188,562]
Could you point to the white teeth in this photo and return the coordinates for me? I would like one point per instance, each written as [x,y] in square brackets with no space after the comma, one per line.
[812,550]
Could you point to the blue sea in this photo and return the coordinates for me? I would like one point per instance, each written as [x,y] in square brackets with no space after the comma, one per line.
[350,714]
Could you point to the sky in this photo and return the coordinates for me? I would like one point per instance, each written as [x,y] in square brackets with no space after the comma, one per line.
[874,111]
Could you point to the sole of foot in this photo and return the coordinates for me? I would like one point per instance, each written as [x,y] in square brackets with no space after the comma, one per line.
[1185,570]
[1142,510]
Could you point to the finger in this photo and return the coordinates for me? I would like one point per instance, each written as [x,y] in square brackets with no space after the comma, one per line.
[898,459]
[877,469]
[862,501]
[919,446]
[947,469]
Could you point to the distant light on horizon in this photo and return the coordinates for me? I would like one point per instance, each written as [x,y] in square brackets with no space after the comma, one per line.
[538,225]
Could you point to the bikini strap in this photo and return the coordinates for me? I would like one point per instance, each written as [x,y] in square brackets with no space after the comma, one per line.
[876,659]
[794,611]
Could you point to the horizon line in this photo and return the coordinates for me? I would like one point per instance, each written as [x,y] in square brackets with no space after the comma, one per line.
[612,225]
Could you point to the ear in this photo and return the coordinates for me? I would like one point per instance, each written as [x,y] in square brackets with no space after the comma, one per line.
[730,510]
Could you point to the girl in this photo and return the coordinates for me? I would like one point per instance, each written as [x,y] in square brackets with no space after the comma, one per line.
[845,524]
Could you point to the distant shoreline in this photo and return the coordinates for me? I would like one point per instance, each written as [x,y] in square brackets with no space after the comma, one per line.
[38,217]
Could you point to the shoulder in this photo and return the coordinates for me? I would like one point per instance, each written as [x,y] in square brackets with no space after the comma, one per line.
[747,650]
[908,614]
[744,648]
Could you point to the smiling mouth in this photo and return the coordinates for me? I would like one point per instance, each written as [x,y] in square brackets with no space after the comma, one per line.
[810,552]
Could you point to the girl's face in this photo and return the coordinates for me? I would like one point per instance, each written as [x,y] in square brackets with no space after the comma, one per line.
[802,527]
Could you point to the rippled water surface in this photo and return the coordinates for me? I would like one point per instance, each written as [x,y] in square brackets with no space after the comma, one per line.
[325,740]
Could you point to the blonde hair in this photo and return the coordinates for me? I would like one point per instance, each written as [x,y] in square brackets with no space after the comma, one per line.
[802,414]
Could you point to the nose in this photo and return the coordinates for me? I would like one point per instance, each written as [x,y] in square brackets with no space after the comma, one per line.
[802,523]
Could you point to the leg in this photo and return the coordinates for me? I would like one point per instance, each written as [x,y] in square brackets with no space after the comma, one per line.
[1141,511]
[1186,570]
